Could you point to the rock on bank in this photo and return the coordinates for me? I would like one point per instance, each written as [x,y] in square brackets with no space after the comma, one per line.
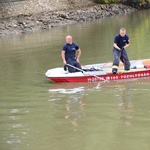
[31,22]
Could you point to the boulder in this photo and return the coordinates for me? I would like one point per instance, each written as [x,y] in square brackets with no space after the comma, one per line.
[63,15]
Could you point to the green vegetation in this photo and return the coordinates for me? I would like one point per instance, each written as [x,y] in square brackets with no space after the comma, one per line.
[141,2]
[106,1]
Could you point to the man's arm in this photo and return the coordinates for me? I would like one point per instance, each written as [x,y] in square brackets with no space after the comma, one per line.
[79,54]
[127,41]
[115,46]
[63,57]
[126,45]
[116,40]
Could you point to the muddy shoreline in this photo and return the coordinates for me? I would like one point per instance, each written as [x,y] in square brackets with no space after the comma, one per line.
[25,23]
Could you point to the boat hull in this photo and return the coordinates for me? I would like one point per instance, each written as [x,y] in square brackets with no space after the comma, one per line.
[129,75]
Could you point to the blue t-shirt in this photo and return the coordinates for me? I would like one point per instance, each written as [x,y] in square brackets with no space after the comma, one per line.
[121,41]
[70,50]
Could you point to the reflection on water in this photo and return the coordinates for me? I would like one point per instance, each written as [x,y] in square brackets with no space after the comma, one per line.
[74,94]
[74,106]
[80,109]
[125,107]
[67,91]
[74,103]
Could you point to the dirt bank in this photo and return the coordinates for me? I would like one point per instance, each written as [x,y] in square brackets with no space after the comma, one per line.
[46,20]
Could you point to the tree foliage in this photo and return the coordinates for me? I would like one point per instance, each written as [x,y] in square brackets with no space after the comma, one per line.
[141,2]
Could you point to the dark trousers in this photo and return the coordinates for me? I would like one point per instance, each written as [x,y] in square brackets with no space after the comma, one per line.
[121,55]
[74,63]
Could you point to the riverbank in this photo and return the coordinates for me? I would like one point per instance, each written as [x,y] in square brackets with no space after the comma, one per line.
[25,23]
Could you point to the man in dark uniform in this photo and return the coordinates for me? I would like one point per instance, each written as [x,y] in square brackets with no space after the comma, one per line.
[121,42]
[69,55]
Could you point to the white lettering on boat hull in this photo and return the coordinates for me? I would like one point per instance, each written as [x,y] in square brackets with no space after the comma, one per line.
[116,77]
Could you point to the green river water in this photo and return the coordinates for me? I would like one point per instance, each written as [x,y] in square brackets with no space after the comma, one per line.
[37,114]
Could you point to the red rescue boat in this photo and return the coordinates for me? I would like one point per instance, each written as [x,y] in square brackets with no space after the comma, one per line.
[102,72]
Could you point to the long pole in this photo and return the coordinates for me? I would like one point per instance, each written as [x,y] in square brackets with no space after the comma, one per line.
[84,71]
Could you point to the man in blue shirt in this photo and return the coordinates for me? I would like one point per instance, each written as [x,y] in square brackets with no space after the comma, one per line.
[121,42]
[69,54]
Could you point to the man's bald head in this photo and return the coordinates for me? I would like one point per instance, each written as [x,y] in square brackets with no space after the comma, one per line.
[69,39]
